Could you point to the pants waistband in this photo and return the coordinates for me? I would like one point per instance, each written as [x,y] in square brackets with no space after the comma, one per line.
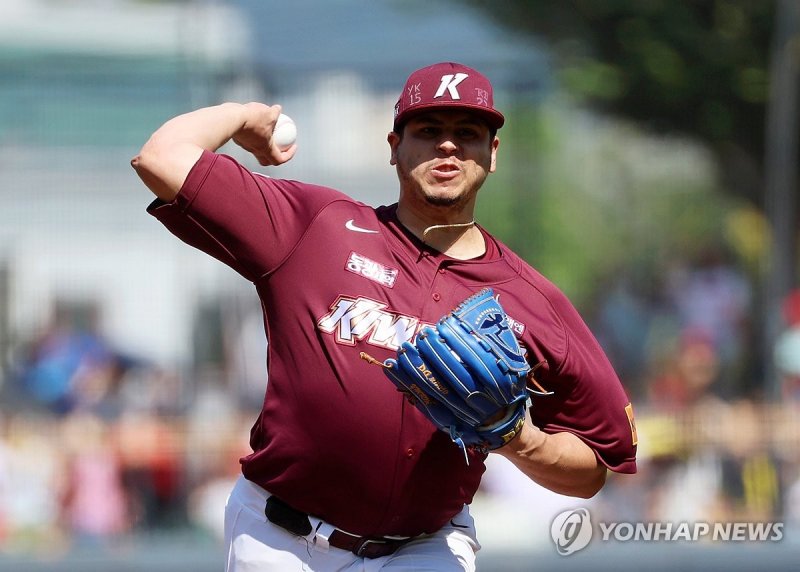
[297,522]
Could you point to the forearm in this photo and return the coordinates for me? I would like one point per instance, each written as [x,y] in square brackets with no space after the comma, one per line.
[560,462]
[166,159]
[208,128]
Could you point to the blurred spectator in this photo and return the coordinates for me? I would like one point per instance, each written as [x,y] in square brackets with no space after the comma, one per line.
[95,506]
[713,296]
[787,348]
[214,452]
[751,472]
[31,477]
[679,429]
[68,362]
[150,389]
[152,460]
[686,377]
[624,319]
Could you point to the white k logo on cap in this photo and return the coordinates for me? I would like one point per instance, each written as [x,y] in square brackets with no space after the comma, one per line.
[450,83]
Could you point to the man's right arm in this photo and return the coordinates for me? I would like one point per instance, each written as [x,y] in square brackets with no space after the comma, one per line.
[166,159]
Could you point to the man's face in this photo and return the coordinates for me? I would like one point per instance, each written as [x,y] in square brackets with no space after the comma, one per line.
[443,158]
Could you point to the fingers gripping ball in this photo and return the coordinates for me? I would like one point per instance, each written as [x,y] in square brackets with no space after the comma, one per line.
[285,133]
[467,374]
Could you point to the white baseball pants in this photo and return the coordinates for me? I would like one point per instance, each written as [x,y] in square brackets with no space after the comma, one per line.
[256,545]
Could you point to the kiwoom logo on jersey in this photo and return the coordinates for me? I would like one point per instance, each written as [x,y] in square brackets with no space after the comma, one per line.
[351,320]
[572,530]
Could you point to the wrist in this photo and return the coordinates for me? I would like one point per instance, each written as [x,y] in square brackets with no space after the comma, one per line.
[529,439]
[236,114]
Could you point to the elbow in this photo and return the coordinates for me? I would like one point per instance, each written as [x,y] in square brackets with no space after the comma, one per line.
[141,162]
[136,163]
[593,485]
[154,173]
[145,160]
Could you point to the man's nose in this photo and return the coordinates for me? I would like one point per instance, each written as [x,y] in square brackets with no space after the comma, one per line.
[447,145]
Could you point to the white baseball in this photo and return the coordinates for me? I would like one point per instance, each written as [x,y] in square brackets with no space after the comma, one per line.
[285,133]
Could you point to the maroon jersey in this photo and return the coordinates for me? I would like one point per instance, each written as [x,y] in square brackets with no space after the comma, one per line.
[337,277]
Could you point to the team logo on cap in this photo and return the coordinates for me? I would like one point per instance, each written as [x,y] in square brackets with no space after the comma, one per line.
[450,82]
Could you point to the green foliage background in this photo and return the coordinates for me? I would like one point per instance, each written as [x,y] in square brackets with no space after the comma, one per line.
[699,68]
[584,198]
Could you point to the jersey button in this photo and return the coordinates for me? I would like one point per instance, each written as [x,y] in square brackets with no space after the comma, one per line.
[409,453]
[437,296]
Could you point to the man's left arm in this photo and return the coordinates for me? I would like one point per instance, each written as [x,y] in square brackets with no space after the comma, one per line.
[560,462]
[580,424]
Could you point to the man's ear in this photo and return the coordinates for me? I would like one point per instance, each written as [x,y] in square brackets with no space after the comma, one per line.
[394,140]
[495,144]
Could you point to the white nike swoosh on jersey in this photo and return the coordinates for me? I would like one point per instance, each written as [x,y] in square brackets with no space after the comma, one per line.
[350,225]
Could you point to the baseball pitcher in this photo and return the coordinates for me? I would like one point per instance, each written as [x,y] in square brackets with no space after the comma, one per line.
[406,343]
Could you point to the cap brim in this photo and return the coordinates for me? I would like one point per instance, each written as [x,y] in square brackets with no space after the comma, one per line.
[493,118]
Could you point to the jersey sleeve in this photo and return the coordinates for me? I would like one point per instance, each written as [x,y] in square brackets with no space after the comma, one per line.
[588,398]
[249,221]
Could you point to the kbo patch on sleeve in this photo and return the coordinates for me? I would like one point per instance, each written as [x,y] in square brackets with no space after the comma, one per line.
[632,421]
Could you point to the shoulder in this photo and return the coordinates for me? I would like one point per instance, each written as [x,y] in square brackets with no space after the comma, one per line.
[547,314]
[542,287]
[222,168]
[291,196]
[301,189]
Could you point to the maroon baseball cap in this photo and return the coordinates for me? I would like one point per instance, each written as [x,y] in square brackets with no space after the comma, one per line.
[447,85]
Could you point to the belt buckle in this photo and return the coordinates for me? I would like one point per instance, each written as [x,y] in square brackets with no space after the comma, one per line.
[364,544]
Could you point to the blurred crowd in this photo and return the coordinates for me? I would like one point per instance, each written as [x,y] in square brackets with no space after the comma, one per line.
[716,444]
[96,445]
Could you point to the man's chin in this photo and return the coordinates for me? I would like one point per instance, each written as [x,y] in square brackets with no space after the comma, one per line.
[443,201]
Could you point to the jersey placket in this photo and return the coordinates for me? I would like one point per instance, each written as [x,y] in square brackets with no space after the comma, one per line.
[438,289]
[432,305]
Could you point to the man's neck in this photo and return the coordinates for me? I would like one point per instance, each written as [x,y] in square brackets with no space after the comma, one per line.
[460,239]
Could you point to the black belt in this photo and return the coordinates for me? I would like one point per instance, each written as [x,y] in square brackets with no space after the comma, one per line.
[297,522]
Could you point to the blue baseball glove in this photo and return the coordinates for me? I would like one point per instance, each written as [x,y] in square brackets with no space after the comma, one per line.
[467,374]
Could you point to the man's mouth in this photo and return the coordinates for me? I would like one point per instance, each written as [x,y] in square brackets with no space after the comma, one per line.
[445,170]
